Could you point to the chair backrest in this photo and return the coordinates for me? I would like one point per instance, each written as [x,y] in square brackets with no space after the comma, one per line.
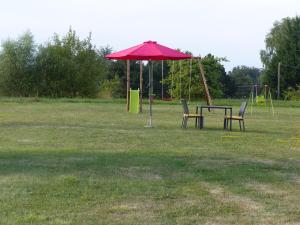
[243,109]
[185,106]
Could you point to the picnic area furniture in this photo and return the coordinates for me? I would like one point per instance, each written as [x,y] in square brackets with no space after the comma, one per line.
[150,51]
[239,118]
[210,107]
[187,115]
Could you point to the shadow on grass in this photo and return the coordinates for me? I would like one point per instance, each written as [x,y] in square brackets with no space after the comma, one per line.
[56,125]
[134,165]
[165,127]
[236,130]
[167,185]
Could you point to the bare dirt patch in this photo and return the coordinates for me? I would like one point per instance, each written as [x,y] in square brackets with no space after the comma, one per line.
[266,189]
[136,172]
[244,203]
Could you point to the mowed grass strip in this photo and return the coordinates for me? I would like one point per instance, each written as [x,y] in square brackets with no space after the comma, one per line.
[90,162]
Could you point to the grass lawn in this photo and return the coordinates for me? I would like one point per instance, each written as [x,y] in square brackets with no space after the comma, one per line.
[89,162]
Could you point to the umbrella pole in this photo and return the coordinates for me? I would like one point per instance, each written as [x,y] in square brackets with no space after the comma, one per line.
[128,86]
[141,86]
[150,93]
[162,80]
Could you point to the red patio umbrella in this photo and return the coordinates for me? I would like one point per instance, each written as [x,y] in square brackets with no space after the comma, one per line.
[149,50]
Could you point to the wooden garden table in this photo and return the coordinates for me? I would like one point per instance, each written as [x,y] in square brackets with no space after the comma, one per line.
[209,107]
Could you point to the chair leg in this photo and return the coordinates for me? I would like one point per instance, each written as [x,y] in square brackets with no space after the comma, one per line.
[196,122]
[186,120]
[225,123]
[243,125]
[240,125]
[182,123]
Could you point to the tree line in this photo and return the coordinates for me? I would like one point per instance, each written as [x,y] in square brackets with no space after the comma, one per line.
[70,67]
[63,67]
[283,53]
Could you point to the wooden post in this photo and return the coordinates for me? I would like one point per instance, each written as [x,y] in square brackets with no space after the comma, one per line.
[180,80]
[256,91]
[172,83]
[141,86]
[128,85]
[190,82]
[203,79]
[278,81]
[150,63]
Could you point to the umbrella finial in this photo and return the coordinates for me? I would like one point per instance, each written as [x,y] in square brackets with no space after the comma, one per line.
[150,42]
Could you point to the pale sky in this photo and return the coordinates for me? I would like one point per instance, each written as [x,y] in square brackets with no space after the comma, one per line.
[234,29]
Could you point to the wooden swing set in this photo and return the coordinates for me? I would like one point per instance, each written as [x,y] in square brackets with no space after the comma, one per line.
[202,80]
[261,98]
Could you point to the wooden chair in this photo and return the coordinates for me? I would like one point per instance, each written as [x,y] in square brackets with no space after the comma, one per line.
[239,118]
[187,115]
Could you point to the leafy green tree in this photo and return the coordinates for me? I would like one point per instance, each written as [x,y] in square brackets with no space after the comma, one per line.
[179,78]
[17,66]
[118,69]
[103,51]
[283,45]
[215,74]
[228,86]
[110,88]
[244,78]
[69,67]
[157,77]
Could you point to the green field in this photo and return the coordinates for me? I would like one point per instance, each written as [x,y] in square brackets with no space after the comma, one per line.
[89,162]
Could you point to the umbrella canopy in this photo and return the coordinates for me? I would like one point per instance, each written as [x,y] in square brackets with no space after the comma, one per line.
[149,50]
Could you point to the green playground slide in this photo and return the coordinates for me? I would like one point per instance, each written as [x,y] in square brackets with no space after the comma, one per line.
[134,101]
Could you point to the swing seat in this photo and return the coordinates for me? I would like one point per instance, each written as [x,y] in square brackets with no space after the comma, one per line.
[260,100]
[152,97]
[167,99]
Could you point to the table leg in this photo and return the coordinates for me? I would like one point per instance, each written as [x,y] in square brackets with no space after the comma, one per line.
[201,119]
[225,118]
[196,120]
[201,122]
[230,119]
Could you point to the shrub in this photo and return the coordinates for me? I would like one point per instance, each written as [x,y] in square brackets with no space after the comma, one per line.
[17,66]
[292,93]
[63,67]
[69,67]
[110,88]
